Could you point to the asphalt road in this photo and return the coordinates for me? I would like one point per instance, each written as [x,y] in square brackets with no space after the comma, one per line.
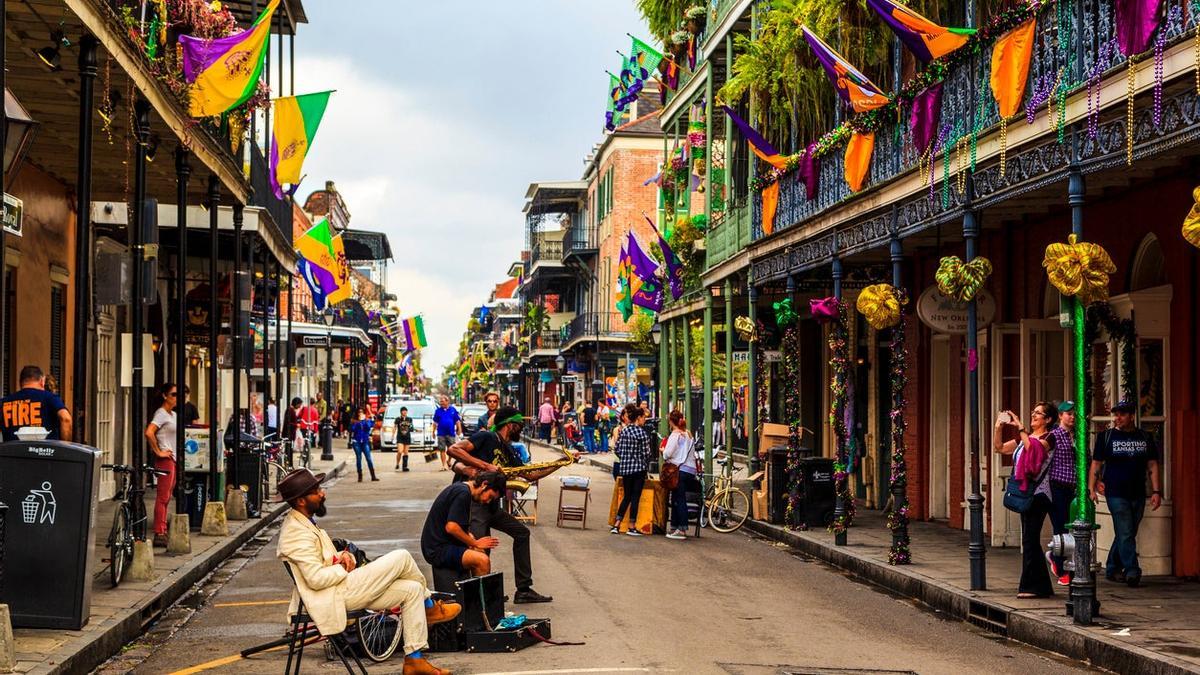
[722,604]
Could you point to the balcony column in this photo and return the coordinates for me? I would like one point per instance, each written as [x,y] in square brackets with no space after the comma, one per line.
[289,352]
[976,551]
[708,129]
[277,297]
[708,383]
[672,387]
[727,418]
[183,172]
[841,510]
[137,252]
[216,483]
[685,327]
[728,136]
[664,376]
[752,380]
[266,315]
[899,472]
[83,234]
[235,338]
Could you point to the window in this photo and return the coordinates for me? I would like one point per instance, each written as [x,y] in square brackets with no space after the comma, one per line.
[58,332]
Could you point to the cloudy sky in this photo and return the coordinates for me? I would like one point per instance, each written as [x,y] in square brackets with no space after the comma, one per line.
[444,113]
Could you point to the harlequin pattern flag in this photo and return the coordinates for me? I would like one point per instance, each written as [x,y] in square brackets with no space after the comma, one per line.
[296,121]
[414,332]
[341,272]
[618,100]
[624,289]
[924,38]
[324,263]
[648,293]
[317,280]
[758,145]
[855,88]
[643,60]
[224,72]
[674,266]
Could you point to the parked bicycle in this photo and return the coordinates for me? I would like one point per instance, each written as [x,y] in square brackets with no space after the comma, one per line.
[129,521]
[727,506]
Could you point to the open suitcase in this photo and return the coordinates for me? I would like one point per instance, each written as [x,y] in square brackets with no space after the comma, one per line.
[482,600]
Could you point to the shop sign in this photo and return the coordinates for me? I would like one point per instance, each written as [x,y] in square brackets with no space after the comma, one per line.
[314,340]
[14,214]
[772,355]
[946,315]
[741,357]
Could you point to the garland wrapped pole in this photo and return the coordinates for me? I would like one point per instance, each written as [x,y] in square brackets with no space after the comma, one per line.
[708,386]
[727,418]
[898,515]
[752,384]
[843,508]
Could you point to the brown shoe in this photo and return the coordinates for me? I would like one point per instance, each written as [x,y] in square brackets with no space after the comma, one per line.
[422,667]
[441,612]
[160,540]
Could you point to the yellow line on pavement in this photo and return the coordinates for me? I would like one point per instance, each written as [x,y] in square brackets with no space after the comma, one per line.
[252,603]
[216,663]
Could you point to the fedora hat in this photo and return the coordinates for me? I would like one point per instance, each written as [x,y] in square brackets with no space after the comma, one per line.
[297,483]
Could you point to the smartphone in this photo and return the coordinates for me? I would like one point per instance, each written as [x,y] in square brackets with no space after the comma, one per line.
[1006,417]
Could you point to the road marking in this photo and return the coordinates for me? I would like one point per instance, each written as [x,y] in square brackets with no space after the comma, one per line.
[216,663]
[252,603]
[568,670]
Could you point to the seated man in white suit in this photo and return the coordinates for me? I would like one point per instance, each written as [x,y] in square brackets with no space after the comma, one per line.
[330,585]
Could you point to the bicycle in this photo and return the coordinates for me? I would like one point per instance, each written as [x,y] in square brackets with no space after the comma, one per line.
[130,514]
[727,506]
[274,454]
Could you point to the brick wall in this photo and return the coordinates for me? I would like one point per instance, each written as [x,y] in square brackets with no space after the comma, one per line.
[631,168]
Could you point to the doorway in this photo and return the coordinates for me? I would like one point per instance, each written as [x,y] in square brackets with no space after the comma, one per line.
[939,427]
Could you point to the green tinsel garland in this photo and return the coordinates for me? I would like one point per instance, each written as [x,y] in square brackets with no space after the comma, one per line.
[839,364]
[897,516]
[791,413]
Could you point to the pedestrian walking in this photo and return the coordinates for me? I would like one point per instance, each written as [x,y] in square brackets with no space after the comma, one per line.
[1062,483]
[33,406]
[633,460]
[360,439]
[291,427]
[310,420]
[449,427]
[589,426]
[404,426]
[160,434]
[272,419]
[1031,466]
[680,451]
[604,424]
[487,419]
[1121,460]
[546,415]
[565,414]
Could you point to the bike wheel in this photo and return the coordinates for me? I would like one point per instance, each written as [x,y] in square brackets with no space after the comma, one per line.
[379,634]
[729,510]
[119,544]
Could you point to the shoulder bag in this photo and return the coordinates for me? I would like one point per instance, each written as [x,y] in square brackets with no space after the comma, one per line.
[1018,500]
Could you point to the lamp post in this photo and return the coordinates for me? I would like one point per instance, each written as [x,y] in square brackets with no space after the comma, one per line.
[561,364]
[326,427]
[663,412]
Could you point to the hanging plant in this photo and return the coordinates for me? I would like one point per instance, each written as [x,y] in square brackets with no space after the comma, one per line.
[694,19]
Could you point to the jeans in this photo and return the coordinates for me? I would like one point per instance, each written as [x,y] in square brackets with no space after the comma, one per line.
[1060,515]
[361,448]
[486,517]
[605,432]
[633,484]
[1035,578]
[688,482]
[1126,516]
[589,439]
[165,485]
[544,431]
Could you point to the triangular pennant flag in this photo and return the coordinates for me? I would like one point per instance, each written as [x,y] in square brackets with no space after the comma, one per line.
[854,87]
[924,38]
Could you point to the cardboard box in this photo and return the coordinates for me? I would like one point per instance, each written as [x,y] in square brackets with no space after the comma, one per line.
[758,505]
[772,435]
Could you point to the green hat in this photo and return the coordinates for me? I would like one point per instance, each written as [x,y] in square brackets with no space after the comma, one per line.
[1066,406]
[507,415]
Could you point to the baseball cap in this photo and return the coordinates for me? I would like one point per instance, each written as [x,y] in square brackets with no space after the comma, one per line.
[1066,406]
[1124,405]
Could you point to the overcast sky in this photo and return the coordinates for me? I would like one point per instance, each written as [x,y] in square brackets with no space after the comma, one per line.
[444,113]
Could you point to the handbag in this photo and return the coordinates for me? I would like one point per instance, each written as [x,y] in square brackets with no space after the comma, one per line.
[669,476]
[1018,500]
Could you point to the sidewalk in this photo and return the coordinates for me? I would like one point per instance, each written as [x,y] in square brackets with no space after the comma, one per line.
[1151,629]
[119,615]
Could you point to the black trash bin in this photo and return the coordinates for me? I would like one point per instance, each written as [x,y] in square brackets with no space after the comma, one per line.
[249,470]
[818,491]
[50,488]
[195,490]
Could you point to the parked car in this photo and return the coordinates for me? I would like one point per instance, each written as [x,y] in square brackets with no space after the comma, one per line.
[471,413]
[424,435]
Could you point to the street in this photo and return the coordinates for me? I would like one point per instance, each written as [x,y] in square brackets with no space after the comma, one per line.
[729,603]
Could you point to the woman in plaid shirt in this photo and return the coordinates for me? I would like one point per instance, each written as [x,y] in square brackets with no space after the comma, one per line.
[633,460]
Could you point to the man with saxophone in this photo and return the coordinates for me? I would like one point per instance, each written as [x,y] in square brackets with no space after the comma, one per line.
[489,450]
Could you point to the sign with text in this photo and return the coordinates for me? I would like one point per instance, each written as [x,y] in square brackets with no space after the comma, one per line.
[947,315]
[14,215]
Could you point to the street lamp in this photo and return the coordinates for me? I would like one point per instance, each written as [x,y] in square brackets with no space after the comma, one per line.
[656,334]
[18,135]
[560,362]
[326,426]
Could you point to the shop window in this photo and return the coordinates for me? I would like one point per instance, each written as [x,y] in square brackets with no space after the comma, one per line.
[58,332]
[1149,268]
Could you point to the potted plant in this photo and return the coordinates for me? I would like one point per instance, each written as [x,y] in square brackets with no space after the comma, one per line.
[678,44]
[694,19]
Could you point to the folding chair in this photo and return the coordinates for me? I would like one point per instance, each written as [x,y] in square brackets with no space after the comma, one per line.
[519,504]
[577,513]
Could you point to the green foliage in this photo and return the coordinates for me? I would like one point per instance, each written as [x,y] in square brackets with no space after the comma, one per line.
[663,16]
[640,328]
[473,325]
[537,319]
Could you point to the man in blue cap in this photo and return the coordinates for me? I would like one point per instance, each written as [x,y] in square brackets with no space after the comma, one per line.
[1121,459]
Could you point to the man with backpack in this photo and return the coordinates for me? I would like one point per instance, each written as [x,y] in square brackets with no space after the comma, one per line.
[1121,460]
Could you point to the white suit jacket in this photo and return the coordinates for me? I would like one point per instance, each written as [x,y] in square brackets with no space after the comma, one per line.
[321,584]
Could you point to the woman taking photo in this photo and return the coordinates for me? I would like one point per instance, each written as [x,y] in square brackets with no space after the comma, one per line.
[160,434]
[1031,451]
[633,459]
[680,450]
[404,427]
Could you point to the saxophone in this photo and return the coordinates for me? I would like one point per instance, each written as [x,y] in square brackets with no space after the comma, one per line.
[515,474]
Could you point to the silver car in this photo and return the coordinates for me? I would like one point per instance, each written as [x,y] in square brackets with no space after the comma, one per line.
[421,412]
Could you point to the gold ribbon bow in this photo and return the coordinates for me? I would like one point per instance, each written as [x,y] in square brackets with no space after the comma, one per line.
[1191,224]
[880,306]
[1079,268]
[745,328]
[961,280]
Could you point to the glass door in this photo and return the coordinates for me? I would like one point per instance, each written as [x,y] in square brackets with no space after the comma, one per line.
[1004,380]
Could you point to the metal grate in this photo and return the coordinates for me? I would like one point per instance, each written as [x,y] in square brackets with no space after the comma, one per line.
[988,617]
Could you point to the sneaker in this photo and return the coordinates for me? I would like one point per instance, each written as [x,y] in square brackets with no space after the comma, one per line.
[528,595]
[633,533]
[676,534]
[1053,567]
[160,540]
[1064,580]
[615,530]
[1133,580]
[1118,577]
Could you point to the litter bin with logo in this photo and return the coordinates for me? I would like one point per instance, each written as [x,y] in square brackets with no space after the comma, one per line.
[51,489]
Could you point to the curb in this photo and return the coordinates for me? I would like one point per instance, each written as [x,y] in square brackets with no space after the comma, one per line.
[1061,638]
[84,654]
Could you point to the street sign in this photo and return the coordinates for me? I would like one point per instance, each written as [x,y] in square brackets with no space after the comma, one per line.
[314,340]
[947,315]
[741,357]
[14,215]
[569,378]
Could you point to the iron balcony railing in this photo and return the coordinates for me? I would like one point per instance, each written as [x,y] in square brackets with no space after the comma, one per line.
[1075,41]
[728,234]
[547,339]
[596,325]
[264,195]
[545,250]
[580,240]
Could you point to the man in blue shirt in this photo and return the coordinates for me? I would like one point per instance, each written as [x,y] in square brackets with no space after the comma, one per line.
[33,406]
[449,427]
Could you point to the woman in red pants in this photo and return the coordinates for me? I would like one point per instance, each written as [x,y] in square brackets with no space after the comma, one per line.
[160,433]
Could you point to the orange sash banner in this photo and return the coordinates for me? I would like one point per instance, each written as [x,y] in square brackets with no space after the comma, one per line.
[770,202]
[858,159]
[1010,67]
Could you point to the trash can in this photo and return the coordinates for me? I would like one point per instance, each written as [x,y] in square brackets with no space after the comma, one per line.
[778,483]
[51,490]
[195,490]
[818,491]
[249,475]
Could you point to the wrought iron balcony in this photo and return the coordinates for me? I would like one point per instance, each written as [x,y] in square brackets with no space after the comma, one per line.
[1087,50]
[728,234]
[547,340]
[279,209]
[595,325]
[580,241]
[545,251]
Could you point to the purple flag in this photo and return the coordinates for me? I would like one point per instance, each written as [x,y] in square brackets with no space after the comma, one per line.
[926,113]
[674,266]
[809,173]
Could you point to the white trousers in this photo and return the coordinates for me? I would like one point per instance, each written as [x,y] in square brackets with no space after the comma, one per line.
[393,580]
